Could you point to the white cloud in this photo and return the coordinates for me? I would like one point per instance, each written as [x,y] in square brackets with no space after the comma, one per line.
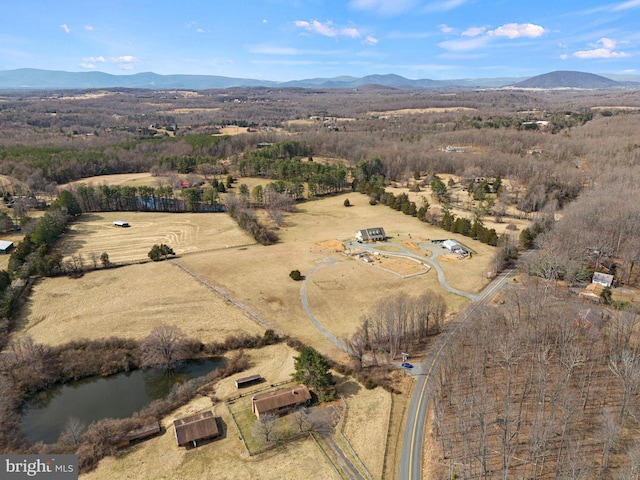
[90,62]
[88,28]
[327,29]
[603,48]
[608,43]
[383,7]
[370,40]
[517,30]
[444,28]
[474,31]
[444,6]
[126,62]
[464,44]
[599,53]
[65,28]
[264,20]
[564,56]
[627,5]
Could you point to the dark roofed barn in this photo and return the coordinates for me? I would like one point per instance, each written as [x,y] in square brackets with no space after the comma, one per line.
[194,428]
[280,402]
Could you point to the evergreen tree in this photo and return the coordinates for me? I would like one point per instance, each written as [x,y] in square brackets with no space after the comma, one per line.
[313,370]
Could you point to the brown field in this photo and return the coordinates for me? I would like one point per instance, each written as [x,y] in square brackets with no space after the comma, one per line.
[128,179]
[368,413]
[416,111]
[128,302]
[95,233]
[339,289]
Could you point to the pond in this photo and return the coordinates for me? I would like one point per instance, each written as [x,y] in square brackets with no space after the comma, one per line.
[91,399]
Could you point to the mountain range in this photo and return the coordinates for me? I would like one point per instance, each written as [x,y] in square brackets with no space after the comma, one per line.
[34,79]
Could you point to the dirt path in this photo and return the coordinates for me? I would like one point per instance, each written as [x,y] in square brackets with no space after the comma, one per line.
[254,316]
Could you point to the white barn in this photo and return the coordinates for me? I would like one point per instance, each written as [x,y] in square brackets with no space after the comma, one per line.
[453,246]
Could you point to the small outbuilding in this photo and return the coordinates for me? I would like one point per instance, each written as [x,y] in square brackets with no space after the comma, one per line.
[195,428]
[120,223]
[280,402]
[250,380]
[142,433]
[5,247]
[376,234]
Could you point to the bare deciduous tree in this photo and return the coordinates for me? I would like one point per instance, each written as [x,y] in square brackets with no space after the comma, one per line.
[165,346]
[265,426]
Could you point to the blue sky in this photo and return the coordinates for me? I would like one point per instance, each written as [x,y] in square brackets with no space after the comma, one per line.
[295,39]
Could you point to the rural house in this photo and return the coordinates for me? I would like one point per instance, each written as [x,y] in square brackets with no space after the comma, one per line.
[194,428]
[280,402]
[371,235]
[602,278]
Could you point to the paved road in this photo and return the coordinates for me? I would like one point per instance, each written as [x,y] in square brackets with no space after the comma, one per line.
[411,461]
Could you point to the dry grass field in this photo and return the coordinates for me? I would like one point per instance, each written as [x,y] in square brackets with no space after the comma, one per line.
[94,233]
[419,111]
[367,422]
[339,289]
[128,302]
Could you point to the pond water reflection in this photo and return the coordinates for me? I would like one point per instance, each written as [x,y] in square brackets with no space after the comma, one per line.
[117,396]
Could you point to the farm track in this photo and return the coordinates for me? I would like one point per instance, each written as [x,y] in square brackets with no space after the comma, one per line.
[246,310]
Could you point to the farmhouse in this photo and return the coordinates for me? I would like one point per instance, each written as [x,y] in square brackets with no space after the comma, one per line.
[280,402]
[602,279]
[453,246]
[371,235]
[120,223]
[194,428]
[5,247]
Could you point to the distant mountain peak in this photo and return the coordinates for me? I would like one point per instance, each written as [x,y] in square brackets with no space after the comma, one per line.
[568,79]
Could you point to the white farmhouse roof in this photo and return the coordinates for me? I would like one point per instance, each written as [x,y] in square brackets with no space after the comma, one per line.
[602,279]
[5,244]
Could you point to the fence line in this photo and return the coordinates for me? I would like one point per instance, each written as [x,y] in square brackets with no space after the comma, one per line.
[341,432]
